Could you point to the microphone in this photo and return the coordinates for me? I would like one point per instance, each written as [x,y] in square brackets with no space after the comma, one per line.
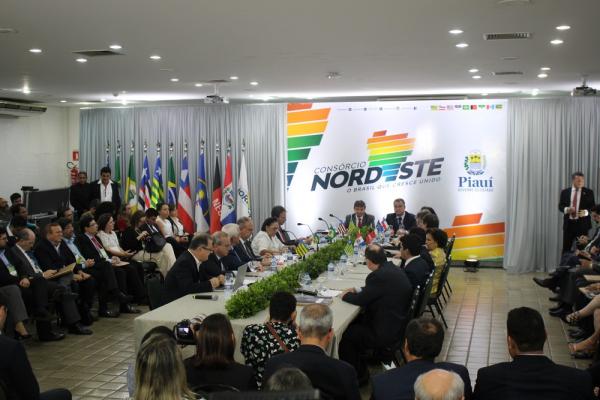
[326,223]
[311,231]
[213,297]
[295,237]
[339,220]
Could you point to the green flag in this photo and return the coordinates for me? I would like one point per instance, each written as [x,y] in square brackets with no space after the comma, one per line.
[158,194]
[131,190]
[171,183]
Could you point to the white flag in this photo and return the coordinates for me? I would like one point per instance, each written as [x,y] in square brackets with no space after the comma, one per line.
[243,196]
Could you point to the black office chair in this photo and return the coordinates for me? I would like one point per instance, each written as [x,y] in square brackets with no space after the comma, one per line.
[434,300]
[203,391]
[449,247]
[311,394]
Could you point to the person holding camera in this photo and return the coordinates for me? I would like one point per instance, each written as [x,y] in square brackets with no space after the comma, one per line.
[277,336]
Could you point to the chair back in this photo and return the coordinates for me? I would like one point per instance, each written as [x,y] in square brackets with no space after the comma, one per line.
[155,288]
[202,391]
[424,295]
[414,302]
[443,278]
[450,245]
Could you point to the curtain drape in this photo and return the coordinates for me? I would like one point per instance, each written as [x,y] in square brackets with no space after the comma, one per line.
[548,140]
[260,127]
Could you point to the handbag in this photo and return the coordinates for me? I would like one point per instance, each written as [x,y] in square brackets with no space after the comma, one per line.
[155,243]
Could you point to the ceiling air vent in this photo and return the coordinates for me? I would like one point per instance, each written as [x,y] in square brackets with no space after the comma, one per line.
[504,73]
[98,53]
[504,36]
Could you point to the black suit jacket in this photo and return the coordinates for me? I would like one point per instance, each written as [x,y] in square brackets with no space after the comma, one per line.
[21,263]
[410,221]
[398,383]
[417,271]
[336,379]
[16,372]
[532,378]
[284,237]
[87,248]
[245,252]
[79,196]
[184,278]
[237,375]
[213,266]
[48,258]
[95,193]
[232,261]
[385,299]
[368,220]
[5,277]
[586,202]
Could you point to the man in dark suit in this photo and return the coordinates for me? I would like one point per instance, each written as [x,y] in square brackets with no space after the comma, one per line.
[360,218]
[105,189]
[280,213]
[16,373]
[186,276]
[575,204]
[80,194]
[244,248]
[423,342]
[530,375]
[400,219]
[415,267]
[385,300]
[214,264]
[334,378]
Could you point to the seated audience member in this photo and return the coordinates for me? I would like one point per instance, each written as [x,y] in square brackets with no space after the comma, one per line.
[436,243]
[420,215]
[66,213]
[16,224]
[5,214]
[586,348]
[428,209]
[400,219]
[94,204]
[244,248]
[422,235]
[336,379]
[415,266]
[423,342]
[15,370]
[288,379]
[213,363]
[360,218]
[16,198]
[134,273]
[21,257]
[123,217]
[80,194]
[439,384]
[214,265]
[263,341]
[53,254]
[135,238]
[179,243]
[430,221]
[9,287]
[531,375]
[154,332]
[178,229]
[385,300]
[266,241]
[280,214]
[159,371]
[232,261]
[110,288]
[104,189]
[19,210]
[186,276]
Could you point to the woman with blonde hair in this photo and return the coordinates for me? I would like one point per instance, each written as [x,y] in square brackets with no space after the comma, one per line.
[159,371]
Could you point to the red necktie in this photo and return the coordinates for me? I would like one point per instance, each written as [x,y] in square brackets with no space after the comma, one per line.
[96,243]
[360,222]
[575,198]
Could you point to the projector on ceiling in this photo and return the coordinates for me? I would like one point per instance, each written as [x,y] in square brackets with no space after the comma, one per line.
[583,90]
[215,99]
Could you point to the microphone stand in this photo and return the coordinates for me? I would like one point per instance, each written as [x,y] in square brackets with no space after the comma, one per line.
[339,220]
[311,231]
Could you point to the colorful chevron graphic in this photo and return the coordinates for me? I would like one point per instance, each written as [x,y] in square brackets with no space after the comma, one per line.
[388,152]
[484,242]
[305,129]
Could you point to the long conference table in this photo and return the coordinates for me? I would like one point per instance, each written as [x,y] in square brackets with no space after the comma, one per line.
[187,307]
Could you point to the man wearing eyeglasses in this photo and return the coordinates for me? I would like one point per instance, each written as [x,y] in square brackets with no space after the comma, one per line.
[186,276]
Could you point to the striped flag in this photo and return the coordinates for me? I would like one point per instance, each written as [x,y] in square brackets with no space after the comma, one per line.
[171,182]
[144,190]
[342,230]
[348,249]
[201,203]
[228,206]
[158,195]
[184,207]
[301,249]
[131,192]
[243,195]
[384,224]
[370,237]
[215,204]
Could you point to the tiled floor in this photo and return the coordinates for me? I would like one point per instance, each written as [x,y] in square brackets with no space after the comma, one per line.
[94,367]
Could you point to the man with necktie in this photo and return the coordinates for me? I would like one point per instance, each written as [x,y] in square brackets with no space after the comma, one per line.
[575,204]
[360,218]
[401,219]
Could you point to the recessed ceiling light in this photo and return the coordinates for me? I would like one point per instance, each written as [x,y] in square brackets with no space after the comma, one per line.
[563,27]
[26,90]
[535,92]
[557,41]
[254,83]
[81,60]
[545,68]
[155,57]
[103,100]
[462,45]
[484,94]
[542,75]
[234,78]
[35,50]
[473,70]
[198,85]
[116,46]
[63,101]
[476,76]
[174,79]
[455,31]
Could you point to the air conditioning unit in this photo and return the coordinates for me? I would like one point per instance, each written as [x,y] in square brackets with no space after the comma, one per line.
[16,109]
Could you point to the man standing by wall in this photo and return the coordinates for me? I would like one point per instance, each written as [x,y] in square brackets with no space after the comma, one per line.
[575,203]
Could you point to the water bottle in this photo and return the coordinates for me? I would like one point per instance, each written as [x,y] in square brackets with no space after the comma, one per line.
[273,264]
[289,256]
[306,281]
[330,271]
[228,285]
[355,253]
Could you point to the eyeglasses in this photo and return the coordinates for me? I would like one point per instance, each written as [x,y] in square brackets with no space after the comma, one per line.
[206,248]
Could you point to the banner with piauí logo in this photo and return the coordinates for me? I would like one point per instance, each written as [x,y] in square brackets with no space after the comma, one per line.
[449,155]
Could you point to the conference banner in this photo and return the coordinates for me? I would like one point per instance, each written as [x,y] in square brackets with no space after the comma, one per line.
[449,155]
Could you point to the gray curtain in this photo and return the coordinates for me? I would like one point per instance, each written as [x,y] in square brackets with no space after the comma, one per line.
[548,139]
[260,127]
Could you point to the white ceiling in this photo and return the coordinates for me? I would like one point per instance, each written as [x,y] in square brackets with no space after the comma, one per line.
[380,47]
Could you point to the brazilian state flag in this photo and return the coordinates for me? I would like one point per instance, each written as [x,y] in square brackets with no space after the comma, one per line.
[157,193]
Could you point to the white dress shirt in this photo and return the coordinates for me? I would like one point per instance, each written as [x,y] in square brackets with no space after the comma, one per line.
[105,191]
[566,210]
[262,241]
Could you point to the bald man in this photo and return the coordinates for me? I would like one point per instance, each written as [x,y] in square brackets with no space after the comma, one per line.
[439,384]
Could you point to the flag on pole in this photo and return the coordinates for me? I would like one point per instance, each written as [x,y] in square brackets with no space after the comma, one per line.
[201,203]
[184,207]
[131,193]
[228,206]
[116,176]
[171,181]
[243,195]
[370,237]
[301,249]
[215,204]
[158,195]
[144,190]
[107,162]
[349,249]
[342,230]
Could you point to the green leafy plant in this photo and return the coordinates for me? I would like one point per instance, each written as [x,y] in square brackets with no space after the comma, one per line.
[246,303]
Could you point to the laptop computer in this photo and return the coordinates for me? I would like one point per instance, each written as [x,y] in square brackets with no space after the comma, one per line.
[240,276]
